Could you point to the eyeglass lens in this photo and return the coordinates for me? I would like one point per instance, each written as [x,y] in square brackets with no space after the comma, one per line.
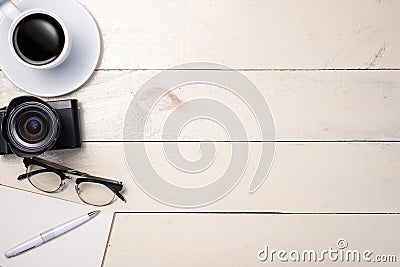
[43,179]
[95,193]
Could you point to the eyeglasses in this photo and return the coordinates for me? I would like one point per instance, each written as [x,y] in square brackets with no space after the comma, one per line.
[50,177]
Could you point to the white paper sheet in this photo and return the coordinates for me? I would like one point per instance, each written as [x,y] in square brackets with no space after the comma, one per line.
[24,215]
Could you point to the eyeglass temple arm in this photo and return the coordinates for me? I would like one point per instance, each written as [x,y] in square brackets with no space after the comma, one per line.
[120,196]
[26,175]
[51,164]
[78,173]
[61,167]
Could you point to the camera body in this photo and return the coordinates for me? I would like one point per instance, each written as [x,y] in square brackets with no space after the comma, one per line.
[58,121]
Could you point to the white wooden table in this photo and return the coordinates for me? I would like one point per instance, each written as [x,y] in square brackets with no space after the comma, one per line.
[330,71]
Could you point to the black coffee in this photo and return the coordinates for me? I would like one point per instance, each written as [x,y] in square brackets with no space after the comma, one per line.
[38,39]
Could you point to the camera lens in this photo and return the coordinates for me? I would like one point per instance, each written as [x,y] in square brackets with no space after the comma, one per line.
[32,128]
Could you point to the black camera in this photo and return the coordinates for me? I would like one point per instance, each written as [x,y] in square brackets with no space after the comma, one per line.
[31,126]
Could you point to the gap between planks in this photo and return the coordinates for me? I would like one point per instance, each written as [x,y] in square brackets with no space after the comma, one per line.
[250,69]
[244,141]
[252,213]
[253,70]
[108,239]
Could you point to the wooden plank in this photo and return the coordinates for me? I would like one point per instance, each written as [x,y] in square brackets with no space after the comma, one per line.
[235,240]
[306,105]
[250,34]
[305,177]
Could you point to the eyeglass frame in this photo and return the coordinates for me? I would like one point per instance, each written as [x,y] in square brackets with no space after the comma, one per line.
[63,172]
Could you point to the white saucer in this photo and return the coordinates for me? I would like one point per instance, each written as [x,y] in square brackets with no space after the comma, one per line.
[75,70]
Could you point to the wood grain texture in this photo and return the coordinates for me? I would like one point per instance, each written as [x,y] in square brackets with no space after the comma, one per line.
[305,177]
[307,106]
[250,34]
[234,240]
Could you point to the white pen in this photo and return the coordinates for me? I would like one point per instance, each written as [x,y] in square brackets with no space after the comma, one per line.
[49,234]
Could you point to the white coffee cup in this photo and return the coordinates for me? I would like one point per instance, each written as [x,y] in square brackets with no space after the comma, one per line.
[46,49]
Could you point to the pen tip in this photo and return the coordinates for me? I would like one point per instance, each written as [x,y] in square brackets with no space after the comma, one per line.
[94,213]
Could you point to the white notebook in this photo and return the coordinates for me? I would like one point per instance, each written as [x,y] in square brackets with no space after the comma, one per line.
[24,215]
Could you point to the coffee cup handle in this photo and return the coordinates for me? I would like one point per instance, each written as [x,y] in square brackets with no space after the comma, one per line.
[9,9]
